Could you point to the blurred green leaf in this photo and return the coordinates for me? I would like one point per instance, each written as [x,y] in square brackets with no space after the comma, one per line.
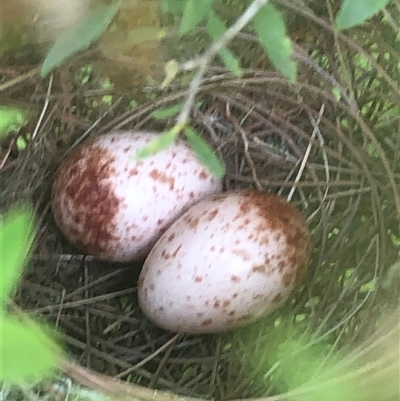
[301,368]
[27,352]
[271,31]
[354,12]
[174,7]
[193,13]
[171,68]
[11,118]
[204,153]
[15,241]
[216,28]
[163,141]
[336,93]
[21,143]
[80,36]
[168,112]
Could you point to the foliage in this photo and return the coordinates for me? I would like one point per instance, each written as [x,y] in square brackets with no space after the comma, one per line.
[163,114]
[163,141]
[203,151]
[15,239]
[271,30]
[268,24]
[216,29]
[298,368]
[79,37]
[193,13]
[11,118]
[354,12]
[27,352]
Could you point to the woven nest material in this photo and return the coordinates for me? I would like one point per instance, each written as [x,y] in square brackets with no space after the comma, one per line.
[337,158]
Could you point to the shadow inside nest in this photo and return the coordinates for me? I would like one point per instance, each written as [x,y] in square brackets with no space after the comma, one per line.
[271,140]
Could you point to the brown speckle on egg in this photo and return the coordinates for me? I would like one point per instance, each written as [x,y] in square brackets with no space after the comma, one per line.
[192,222]
[246,317]
[163,178]
[288,278]
[242,253]
[258,269]
[277,298]
[211,215]
[203,175]
[88,200]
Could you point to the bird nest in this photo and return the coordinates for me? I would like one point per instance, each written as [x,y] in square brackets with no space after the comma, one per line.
[333,155]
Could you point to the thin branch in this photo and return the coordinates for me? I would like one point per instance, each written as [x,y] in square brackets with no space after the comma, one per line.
[19,79]
[240,23]
[45,106]
[200,63]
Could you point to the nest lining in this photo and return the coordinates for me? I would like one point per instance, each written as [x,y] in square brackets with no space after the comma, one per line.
[262,132]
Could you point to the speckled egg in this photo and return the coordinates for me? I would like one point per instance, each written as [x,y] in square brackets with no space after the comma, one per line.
[227,261]
[114,207]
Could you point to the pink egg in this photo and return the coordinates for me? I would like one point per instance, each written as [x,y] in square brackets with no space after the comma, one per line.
[229,260]
[115,208]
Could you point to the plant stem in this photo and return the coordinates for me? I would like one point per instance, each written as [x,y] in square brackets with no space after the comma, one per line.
[200,63]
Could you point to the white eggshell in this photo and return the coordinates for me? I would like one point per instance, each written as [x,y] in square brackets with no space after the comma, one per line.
[227,261]
[115,208]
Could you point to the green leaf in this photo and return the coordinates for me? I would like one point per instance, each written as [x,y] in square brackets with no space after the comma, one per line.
[79,36]
[21,143]
[11,118]
[204,153]
[15,241]
[163,141]
[298,366]
[354,12]
[171,68]
[168,112]
[193,14]
[271,31]
[216,28]
[174,7]
[27,352]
